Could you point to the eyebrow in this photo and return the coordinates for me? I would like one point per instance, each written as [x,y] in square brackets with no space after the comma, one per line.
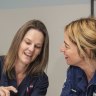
[31,41]
[27,39]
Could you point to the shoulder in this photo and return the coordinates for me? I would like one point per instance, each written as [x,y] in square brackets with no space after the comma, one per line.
[74,69]
[43,77]
[75,76]
[1,64]
[1,60]
[75,72]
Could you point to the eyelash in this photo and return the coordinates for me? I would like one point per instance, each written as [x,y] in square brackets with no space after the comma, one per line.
[27,42]
[38,47]
[66,46]
[35,45]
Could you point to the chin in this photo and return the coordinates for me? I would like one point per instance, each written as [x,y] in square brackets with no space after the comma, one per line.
[26,62]
[70,64]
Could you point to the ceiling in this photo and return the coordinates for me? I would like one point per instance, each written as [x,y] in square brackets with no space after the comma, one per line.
[10,4]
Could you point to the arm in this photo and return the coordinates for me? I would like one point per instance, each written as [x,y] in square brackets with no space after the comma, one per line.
[5,91]
[41,86]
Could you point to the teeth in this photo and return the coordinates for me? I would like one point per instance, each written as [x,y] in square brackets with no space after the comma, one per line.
[27,54]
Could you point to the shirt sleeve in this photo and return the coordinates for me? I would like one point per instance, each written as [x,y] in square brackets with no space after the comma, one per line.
[41,86]
[1,64]
[68,89]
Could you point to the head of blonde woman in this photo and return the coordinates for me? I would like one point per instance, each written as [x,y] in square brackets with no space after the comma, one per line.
[82,33]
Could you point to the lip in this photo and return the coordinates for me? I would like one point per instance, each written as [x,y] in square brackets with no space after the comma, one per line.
[27,55]
[66,57]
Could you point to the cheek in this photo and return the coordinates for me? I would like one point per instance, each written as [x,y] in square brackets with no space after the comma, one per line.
[23,46]
[20,49]
[34,56]
[75,57]
[72,54]
[36,53]
[69,53]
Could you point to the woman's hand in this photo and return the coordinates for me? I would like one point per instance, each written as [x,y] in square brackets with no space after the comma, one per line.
[5,91]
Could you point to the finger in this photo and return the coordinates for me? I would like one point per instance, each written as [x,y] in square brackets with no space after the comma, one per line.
[11,88]
[4,92]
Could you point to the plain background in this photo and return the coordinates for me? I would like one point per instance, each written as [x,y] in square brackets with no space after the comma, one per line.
[55,18]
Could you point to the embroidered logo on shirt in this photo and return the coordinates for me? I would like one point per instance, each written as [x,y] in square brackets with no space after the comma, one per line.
[31,86]
[29,90]
[73,90]
[94,94]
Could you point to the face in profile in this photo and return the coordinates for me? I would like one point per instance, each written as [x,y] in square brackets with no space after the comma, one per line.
[70,52]
[30,46]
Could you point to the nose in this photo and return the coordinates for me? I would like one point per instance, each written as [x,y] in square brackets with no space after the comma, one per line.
[62,48]
[32,47]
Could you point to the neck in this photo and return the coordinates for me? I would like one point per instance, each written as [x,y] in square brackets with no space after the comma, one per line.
[89,73]
[89,69]
[20,72]
[20,68]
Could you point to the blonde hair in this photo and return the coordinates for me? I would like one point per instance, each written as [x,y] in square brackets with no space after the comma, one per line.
[41,61]
[82,32]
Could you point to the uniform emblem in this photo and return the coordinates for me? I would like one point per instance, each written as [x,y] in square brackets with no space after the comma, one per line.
[94,94]
[73,90]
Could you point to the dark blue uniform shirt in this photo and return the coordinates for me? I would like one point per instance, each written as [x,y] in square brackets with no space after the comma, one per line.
[31,86]
[77,84]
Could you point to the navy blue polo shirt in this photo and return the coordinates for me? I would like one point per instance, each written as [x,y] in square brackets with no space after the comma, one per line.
[30,86]
[77,84]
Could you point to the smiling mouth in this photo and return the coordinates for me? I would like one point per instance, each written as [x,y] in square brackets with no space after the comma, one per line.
[28,55]
[66,57]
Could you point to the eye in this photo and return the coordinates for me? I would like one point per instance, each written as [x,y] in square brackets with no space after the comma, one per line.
[28,42]
[67,46]
[37,46]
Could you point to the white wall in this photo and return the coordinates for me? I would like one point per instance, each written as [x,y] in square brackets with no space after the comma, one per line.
[55,18]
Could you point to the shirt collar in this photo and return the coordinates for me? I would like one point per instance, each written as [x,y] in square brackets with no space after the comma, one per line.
[93,80]
[82,79]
